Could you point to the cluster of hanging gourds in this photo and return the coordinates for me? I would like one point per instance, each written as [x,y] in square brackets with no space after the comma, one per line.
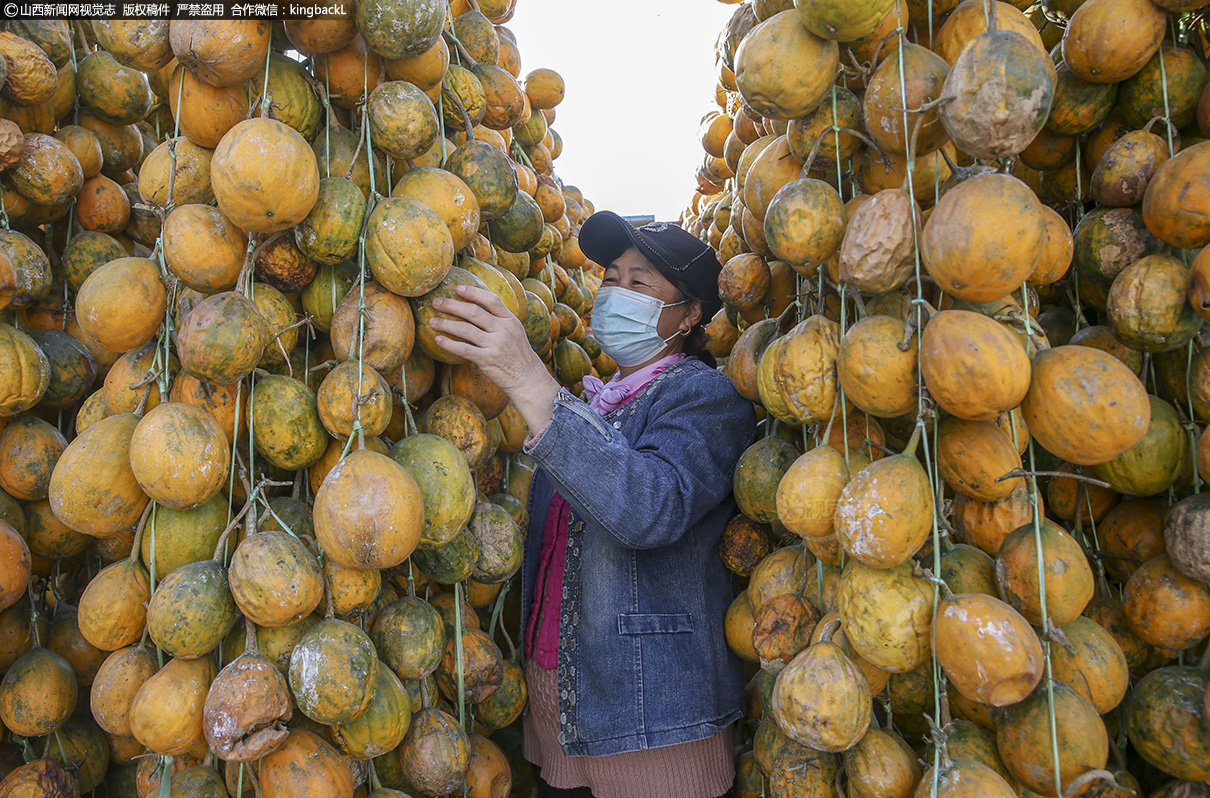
[965,284]
[257,530]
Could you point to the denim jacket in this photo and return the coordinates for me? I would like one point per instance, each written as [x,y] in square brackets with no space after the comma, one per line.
[642,660]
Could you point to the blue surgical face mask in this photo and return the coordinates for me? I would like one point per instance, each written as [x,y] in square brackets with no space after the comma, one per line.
[624,323]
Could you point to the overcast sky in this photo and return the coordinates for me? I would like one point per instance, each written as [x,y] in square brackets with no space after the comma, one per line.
[639,76]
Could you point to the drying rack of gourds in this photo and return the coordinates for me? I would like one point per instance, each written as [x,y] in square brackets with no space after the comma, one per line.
[275,434]
[973,528]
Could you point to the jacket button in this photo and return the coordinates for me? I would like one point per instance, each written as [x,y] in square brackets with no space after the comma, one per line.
[617,425]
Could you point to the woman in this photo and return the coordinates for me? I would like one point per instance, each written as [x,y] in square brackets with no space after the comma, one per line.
[632,688]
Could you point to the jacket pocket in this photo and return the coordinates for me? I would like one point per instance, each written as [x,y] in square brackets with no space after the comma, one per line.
[654,624]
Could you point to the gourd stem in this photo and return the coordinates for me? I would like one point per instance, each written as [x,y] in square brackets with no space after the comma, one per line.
[829,631]
[142,405]
[329,602]
[806,563]
[819,574]
[844,410]
[1078,784]
[508,639]
[356,155]
[411,578]
[166,777]
[946,718]
[917,124]
[243,283]
[827,433]
[171,184]
[887,450]
[409,423]
[1021,472]
[375,784]
[787,318]
[862,311]
[136,546]
[222,539]
[914,441]
[78,26]
[810,161]
[925,573]
[1115,749]
[466,117]
[939,734]
[250,636]
[239,391]
[458,654]
[34,616]
[425,703]
[243,472]
[499,605]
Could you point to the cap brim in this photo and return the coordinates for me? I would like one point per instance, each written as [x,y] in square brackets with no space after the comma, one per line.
[605,235]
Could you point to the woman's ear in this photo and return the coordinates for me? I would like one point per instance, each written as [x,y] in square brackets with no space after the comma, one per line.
[694,314]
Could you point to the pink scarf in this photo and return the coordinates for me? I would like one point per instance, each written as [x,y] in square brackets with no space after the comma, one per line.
[604,398]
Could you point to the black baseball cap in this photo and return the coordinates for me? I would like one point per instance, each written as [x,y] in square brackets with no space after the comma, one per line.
[688,262]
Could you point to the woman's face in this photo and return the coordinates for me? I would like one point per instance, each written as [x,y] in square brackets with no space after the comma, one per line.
[632,271]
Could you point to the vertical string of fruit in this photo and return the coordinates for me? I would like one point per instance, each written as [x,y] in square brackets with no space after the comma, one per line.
[160,365]
[1083,499]
[358,429]
[249,289]
[842,289]
[940,725]
[1189,423]
[1047,626]
[70,220]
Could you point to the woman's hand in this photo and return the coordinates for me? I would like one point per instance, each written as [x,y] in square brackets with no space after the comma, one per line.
[494,340]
